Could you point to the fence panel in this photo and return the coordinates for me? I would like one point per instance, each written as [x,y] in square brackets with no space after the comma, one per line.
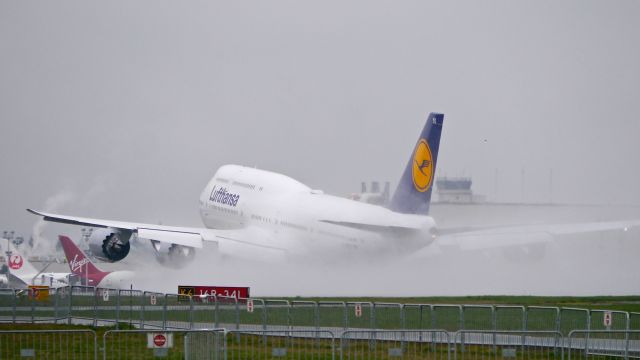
[295,344]
[478,317]
[82,303]
[510,318]
[277,314]
[416,316]
[634,321]
[387,316]
[178,311]
[508,344]
[23,309]
[619,320]
[153,310]
[48,344]
[304,314]
[130,304]
[604,344]
[383,344]
[106,304]
[360,315]
[542,318]
[173,344]
[227,313]
[7,305]
[573,319]
[252,314]
[204,312]
[332,315]
[447,317]
[62,304]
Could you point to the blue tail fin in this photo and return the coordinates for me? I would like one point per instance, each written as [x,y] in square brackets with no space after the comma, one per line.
[413,193]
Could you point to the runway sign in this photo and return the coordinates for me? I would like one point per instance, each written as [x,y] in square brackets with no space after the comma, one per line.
[200,293]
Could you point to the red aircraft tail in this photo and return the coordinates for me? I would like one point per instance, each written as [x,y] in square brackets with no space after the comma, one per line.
[79,263]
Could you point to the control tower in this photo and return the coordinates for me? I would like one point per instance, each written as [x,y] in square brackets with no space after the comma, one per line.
[456,190]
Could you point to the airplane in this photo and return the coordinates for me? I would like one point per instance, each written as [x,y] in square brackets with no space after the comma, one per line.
[259,214]
[89,274]
[23,274]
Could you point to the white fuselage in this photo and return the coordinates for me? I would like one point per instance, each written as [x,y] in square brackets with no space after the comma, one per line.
[286,214]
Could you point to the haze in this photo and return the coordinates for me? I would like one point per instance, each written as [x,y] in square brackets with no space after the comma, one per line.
[124,110]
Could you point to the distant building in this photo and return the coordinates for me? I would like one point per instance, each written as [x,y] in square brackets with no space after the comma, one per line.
[456,191]
[375,196]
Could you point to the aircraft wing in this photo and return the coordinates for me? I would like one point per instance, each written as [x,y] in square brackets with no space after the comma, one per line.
[527,234]
[247,240]
[185,236]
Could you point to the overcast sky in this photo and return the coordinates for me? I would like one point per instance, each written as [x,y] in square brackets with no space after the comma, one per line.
[125,109]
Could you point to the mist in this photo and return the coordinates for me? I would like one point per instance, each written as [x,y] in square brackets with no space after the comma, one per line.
[124,111]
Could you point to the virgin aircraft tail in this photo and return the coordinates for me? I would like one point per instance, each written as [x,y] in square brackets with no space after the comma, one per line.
[79,263]
[413,194]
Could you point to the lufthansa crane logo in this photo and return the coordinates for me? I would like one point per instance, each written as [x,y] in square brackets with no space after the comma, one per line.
[15,262]
[422,166]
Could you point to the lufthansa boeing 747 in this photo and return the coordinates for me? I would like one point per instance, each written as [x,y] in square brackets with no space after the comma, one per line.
[248,212]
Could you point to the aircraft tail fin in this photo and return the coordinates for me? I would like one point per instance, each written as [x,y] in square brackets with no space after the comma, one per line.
[413,194]
[20,267]
[79,263]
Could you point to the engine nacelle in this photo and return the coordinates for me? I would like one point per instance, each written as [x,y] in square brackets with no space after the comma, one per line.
[110,244]
[173,255]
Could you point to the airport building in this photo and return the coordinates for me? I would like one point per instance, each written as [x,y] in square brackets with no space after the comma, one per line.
[457,190]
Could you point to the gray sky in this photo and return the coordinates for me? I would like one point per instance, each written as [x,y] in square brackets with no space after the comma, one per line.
[125,109]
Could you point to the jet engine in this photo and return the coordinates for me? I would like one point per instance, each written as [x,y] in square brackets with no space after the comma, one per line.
[110,244]
[173,255]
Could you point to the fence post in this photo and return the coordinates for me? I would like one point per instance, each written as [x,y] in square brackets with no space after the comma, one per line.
[142,309]
[215,316]
[69,314]
[237,313]
[55,306]
[164,313]
[95,306]
[317,315]
[33,305]
[191,312]
[494,326]
[117,309]
[264,315]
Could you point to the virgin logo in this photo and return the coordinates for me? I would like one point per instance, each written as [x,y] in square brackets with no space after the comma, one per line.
[15,262]
[77,264]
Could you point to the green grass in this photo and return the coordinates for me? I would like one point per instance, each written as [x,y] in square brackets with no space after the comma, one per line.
[622,303]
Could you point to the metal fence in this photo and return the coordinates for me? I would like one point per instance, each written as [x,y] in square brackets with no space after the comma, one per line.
[299,344]
[174,344]
[382,344]
[508,344]
[150,310]
[48,344]
[319,344]
[604,344]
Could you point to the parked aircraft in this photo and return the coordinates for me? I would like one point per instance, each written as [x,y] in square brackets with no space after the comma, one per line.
[252,213]
[89,274]
[23,274]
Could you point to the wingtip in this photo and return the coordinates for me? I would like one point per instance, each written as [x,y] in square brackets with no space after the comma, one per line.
[33,212]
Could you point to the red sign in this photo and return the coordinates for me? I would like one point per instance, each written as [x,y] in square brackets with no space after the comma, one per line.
[607,320]
[250,305]
[159,340]
[358,310]
[200,293]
